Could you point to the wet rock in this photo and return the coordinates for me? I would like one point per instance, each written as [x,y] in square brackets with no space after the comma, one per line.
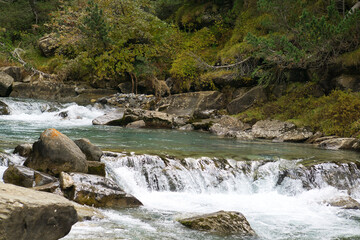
[96,168]
[152,119]
[86,213]
[24,150]
[185,104]
[4,109]
[295,135]
[114,118]
[136,124]
[64,114]
[270,129]
[243,102]
[13,71]
[54,153]
[26,177]
[344,202]
[220,222]
[98,191]
[6,83]
[340,143]
[48,44]
[92,152]
[29,214]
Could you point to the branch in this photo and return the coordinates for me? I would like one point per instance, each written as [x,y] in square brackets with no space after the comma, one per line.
[206,65]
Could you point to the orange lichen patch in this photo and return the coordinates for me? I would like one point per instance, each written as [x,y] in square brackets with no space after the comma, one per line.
[51,132]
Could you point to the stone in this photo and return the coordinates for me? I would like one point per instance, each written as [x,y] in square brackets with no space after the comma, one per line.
[136,124]
[295,135]
[240,135]
[29,214]
[270,129]
[152,119]
[66,180]
[187,127]
[26,177]
[96,168]
[245,101]
[227,124]
[348,82]
[344,202]
[340,143]
[92,152]
[87,213]
[220,222]
[185,104]
[4,109]
[54,153]
[24,150]
[98,191]
[6,83]
[13,71]
[48,45]
[114,118]
[204,114]
[204,124]
[53,187]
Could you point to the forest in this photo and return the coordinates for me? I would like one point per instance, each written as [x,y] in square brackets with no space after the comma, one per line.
[299,46]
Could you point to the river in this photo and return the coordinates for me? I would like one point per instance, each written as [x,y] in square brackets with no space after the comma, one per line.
[177,174]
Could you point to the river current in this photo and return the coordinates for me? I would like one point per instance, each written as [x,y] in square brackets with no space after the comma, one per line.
[178,174]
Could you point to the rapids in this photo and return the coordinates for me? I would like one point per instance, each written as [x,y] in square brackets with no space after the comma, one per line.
[178,174]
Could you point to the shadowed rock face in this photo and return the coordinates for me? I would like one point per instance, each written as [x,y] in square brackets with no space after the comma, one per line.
[55,153]
[220,222]
[29,214]
[6,82]
[92,152]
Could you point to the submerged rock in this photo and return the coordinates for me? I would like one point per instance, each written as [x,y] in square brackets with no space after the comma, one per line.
[92,152]
[54,153]
[96,191]
[4,109]
[344,202]
[28,214]
[220,222]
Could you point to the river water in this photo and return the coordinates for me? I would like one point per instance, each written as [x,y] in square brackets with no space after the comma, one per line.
[179,174]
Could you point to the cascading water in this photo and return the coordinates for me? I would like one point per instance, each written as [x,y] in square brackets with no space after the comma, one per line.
[186,173]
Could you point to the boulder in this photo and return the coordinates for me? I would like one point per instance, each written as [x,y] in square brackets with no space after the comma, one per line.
[270,129]
[97,191]
[4,109]
[340,143]
[348,82]
[136,124]
[26,177]
[185,104]
[226,124]
[28,214]
[344,202]
[6,83]
[96,168]
[113,118]
[48,44]
[92,152]
[245,101]
[54,153]
[220,222]
[24,150]
[204,124]
[86,213]
[13,71]
[152,119]
[240,135]
[295,135]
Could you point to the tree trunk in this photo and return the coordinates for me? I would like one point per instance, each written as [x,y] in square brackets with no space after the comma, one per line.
[33,9]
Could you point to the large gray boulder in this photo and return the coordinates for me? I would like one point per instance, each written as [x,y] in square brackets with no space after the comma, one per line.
[114,118]
[13,71]
[54,153]
[6,82]
[95,191]
[185,104]
[4,109]
[220,222]
[28,214]
[226,124]
[92,152]
[245,101]
[295,135]
[26,177]
[270,129]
